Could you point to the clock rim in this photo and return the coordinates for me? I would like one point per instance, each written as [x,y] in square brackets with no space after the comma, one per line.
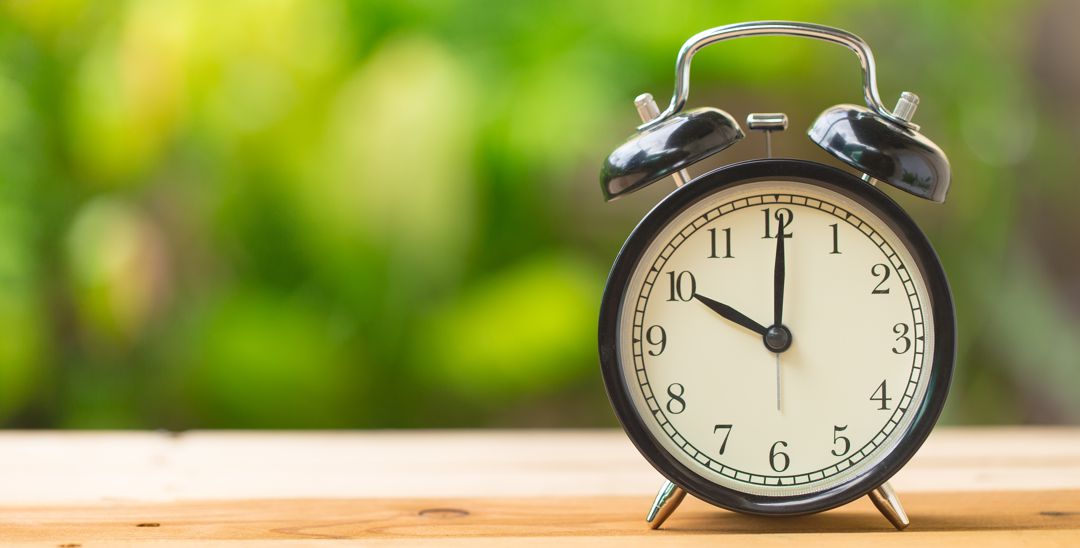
[941,306]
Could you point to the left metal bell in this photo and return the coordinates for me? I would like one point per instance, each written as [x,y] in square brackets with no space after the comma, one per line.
[667,147]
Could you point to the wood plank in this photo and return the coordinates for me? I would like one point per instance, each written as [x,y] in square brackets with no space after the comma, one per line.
[991,486]
[991,518]
[82,467]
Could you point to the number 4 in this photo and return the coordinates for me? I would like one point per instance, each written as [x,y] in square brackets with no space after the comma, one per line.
[883,398]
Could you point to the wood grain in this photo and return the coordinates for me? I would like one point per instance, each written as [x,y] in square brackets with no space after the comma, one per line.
[994,487]
[1056,514]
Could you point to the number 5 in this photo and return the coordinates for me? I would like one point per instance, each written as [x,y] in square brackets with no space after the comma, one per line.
[835,438]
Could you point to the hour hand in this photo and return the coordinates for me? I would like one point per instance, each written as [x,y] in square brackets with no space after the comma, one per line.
[732,315]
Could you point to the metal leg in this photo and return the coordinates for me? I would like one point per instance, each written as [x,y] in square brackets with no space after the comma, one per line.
[667,500]
[889,505]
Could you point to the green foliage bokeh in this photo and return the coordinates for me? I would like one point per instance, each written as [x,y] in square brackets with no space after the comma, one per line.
[386,214]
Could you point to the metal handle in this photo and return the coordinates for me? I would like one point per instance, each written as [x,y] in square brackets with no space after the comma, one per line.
[776,28]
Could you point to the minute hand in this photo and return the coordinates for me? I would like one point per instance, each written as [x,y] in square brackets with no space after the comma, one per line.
[778,277]
[731,314]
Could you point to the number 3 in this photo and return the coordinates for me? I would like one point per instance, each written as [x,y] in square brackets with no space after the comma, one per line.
[901,329]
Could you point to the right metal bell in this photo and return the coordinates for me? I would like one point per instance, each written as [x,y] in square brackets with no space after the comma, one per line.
[884,150]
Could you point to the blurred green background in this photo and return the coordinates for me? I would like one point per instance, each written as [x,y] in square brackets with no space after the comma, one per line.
[321,214]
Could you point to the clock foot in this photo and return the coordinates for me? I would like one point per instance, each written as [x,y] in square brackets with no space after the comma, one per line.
[667,500]
[884,498]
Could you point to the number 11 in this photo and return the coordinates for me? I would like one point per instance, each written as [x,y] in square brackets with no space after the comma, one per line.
[727,244]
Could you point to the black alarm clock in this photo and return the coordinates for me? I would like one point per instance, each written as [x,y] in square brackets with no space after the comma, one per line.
[777,335]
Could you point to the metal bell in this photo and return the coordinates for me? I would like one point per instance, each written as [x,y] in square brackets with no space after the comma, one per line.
[884,150]
[667,147]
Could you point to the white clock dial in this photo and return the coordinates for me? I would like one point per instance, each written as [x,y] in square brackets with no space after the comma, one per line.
[716,398]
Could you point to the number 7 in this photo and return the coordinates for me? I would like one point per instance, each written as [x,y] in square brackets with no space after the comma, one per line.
[727,434]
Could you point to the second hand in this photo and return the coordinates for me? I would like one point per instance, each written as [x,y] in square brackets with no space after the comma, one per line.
[778,382]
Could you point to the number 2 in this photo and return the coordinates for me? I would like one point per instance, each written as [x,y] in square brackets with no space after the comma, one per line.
[885,273]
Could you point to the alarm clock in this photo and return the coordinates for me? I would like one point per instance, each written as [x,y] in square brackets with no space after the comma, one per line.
[777,335]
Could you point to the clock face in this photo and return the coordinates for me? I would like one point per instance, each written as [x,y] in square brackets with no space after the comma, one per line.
[776,367]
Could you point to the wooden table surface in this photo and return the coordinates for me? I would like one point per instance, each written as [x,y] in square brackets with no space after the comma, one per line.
[986,487]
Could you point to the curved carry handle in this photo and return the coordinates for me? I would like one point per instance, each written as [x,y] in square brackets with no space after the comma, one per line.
[776,28]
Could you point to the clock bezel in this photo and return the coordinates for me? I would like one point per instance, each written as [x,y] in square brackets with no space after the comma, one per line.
[941,306]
